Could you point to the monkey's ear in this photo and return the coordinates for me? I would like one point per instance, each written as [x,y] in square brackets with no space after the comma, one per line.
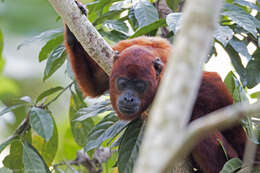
[115,57]
[158,65]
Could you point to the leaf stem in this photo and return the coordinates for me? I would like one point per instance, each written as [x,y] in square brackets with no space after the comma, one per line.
[55,98]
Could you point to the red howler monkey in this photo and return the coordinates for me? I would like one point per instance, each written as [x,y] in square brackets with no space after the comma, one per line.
[135,76]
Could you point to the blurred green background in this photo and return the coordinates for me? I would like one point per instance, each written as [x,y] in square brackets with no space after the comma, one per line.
[22,75]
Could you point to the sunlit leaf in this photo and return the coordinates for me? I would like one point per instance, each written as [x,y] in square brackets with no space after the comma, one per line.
[173,21]
[240,17]
[248,4]
[129,146]
[32,160]
[232,166]
[223,34]
[240,47]
[255,95]
[41,122]
[55,61]
[48,92]
[145,12]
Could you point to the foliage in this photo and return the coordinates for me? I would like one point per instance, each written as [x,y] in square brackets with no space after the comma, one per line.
[34,143]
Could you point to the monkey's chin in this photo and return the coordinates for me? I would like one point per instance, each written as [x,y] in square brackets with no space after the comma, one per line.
[128,111]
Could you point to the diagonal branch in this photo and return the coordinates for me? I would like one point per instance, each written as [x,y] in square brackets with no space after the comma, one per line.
[85,33]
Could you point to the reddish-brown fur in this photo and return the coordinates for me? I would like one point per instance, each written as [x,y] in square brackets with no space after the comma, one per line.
[135,61]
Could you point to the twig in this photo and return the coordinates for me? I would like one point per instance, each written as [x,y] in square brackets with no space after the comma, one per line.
[55,98]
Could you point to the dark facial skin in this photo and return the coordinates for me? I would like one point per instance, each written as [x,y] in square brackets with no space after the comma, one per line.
[129,102]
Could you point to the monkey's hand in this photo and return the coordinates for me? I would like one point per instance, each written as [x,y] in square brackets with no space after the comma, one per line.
[82,8]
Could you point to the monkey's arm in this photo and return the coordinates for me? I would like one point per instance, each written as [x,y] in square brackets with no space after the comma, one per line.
[92,80]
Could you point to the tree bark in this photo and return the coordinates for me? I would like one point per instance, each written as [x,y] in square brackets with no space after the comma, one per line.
[177,92]
[85,32]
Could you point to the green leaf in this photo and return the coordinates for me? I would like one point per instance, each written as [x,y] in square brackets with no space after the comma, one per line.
[69,71]
[109,15]
[129,146]
[145,12]
[9,109]
[240,47]
[48,149]
[258,42]
[240,17]
[114,36]
[41,122]
[230,82]
[150,27]
[131,19]
[235,89]
[173,4]
[55,61]
[173,21]
[32,160]
[44,35]
[248,4]
[97,108]
[253,70]
[237,63]
[48,92]
[117,25]
[108,127]
[7,142]
[5,170]
[14,160]
[223,34]
[232,166]
[80,129]
[255,95]
[50,46]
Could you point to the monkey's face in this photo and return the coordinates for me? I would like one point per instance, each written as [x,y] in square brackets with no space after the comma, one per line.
[129,101]
[133,82]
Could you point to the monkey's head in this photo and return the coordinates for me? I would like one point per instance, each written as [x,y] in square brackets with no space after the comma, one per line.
[134,80]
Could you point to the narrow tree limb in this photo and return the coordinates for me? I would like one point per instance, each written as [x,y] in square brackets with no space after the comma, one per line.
[85,33]
[177,92]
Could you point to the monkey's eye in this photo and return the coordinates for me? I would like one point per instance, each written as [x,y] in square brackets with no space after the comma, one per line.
[140,86]
[121,83]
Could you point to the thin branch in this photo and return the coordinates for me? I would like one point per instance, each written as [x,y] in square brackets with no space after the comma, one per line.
[177,92]
[85,32]
[55,98]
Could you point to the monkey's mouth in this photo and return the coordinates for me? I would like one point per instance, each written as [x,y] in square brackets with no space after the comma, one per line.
[128,110]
